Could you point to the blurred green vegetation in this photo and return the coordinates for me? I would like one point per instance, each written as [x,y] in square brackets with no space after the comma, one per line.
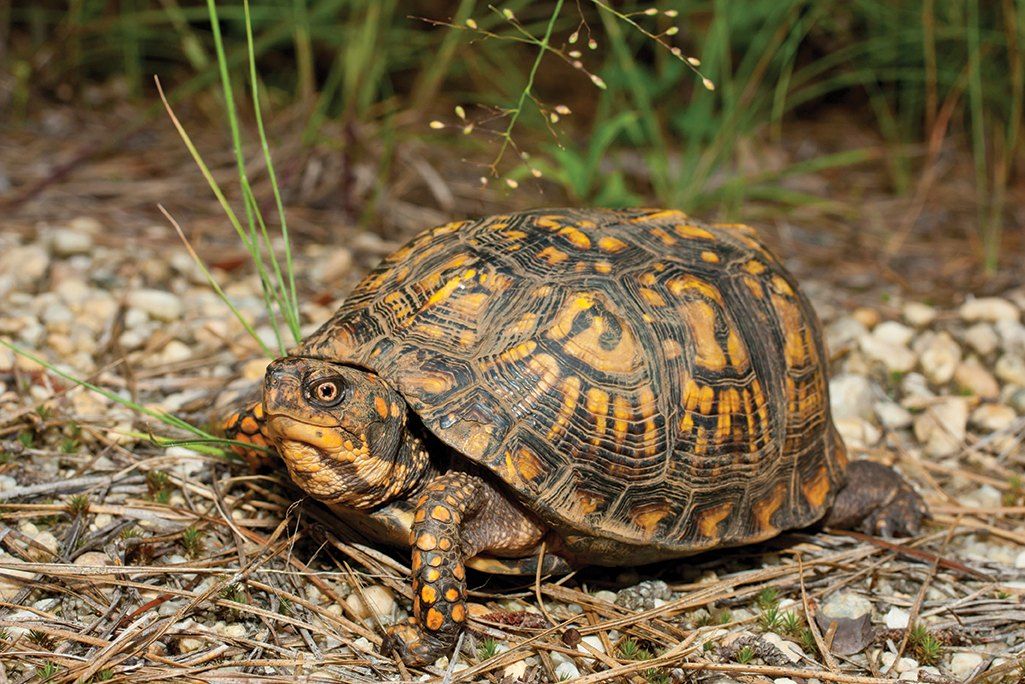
[603,99]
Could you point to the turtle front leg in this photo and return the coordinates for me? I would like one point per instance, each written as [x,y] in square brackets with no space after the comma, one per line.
[877,500]
[458,516]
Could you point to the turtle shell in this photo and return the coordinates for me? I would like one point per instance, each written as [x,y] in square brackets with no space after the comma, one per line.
[648,385]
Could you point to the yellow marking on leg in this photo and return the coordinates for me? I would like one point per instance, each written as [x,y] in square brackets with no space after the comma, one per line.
[250,426]
[458,613]
[709,519]
[452,595]
[428,594]
[434,619]
[426,541]
[441,514]
[432,574]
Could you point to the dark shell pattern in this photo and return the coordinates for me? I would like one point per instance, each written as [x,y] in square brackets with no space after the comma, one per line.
[645,383]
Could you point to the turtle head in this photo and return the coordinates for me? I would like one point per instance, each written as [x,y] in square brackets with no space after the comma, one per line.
[338,429]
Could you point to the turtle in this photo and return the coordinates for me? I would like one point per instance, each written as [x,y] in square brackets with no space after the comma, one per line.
[539,391]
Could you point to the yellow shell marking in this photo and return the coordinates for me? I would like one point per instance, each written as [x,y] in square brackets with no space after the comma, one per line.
[527,464]
[598,406]
[815,489]
[701,317]
[622,412]
[688,283]
[764,508]
[611,244]
[708,520]
[570,396]
[689,231]
[649,518]
[576,237]
[553,255]
[710,257]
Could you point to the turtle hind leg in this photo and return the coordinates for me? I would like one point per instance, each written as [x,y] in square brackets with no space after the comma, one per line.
[553,565]
[876,500]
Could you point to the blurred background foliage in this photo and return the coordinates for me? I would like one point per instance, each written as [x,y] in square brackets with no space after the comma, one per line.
[604,103]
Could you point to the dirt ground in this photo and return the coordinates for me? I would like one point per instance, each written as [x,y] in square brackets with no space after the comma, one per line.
[128,560]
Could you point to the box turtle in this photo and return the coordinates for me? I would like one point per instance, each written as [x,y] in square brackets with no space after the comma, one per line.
[568,387]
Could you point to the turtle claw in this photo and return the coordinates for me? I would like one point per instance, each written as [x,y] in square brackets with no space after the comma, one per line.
[411,645]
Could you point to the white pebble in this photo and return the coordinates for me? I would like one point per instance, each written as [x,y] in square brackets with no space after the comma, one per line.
[516,670]
[892,415]
[941,428]
[919,314]
[982,338]
[892,332]
[66,242]
[1011,368]
[851,396]
[896,618]
[380,601]
[158,304]
[963,664]
[567,671]
[973,376]
[988,309]
[1019,560]
[894,357]
[993,417]
[939,360]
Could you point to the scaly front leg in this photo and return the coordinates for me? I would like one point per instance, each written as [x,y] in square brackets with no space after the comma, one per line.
[458,516]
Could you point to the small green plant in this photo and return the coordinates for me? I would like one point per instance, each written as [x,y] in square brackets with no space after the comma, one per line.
[770,618]
[234,593]
[487,649]
[725,617]
[104,675]
[1014,495]
[40,639]
[629,649]
[158,483]
[47,671]
[768,598]
[192,541]
[657,676]
[130,532]
[745,655]
[792,624]
[808,640]
[285,606]
[926,648]
[78,505]
[27,439]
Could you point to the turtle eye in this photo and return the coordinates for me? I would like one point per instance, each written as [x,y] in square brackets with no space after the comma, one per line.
[327,393]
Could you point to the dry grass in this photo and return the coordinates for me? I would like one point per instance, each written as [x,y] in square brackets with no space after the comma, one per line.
[250,556]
